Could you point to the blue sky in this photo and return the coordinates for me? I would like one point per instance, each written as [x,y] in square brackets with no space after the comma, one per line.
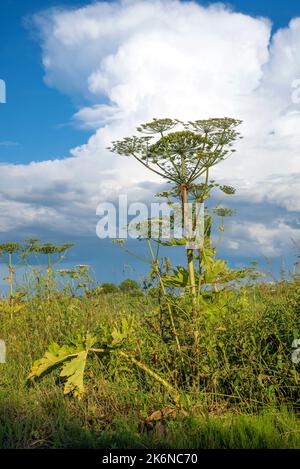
[37,124]
[34,109]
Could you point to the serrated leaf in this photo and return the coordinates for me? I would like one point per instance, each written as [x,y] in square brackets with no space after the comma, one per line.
[54,356]
[180,279]
[75,357]
[73,370]
[90,341]
[118,335]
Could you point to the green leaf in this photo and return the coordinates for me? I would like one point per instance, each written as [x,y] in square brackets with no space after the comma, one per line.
[75,357]
[120,334]
[73,370]
[53,357]
[180,279]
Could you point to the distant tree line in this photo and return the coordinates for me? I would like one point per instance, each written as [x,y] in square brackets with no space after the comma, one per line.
[127,286]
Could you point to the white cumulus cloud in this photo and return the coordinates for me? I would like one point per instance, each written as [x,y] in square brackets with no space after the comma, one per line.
[132,60]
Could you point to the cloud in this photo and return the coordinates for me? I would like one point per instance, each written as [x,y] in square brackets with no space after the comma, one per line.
[282,191]
[259,239]
[133,60]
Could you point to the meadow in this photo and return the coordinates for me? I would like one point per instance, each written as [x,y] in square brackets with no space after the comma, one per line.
[241,392]
[199,355]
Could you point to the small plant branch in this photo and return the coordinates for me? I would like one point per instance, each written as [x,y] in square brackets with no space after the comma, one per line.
[190,252]
[173,392]
[163,288]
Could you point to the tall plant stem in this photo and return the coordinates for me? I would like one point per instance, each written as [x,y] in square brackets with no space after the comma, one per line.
[48,274]
[11,274]
[48,263]
[190,252]
[145,368]
[163,289]
[201,248]
[142,366]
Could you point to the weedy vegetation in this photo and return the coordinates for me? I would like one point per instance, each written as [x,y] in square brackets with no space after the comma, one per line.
[197,356]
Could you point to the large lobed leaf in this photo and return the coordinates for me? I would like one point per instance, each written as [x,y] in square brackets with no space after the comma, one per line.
[53,357]
[74,356]
[73,371]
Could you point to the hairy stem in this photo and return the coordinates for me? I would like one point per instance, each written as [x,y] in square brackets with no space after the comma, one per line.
[11,274]
[163,289]
[174,393]
[190,252]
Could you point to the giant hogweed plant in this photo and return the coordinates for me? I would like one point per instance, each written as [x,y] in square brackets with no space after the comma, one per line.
[11,256]
[53,253]
[182,157]
[181,153]
[14,255]
[8,251]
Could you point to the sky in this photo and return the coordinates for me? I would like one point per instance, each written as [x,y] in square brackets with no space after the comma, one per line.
[80,74]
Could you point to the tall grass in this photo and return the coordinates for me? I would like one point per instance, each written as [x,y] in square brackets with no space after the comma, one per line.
[243,390]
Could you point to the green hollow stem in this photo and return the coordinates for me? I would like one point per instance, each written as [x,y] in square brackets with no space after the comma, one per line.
[173,392]
[201,248]
[190,252]
[10,267]
[163,288]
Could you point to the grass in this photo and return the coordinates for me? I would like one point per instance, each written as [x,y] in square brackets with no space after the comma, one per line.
[244,391]
[210,367]
[55,424]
